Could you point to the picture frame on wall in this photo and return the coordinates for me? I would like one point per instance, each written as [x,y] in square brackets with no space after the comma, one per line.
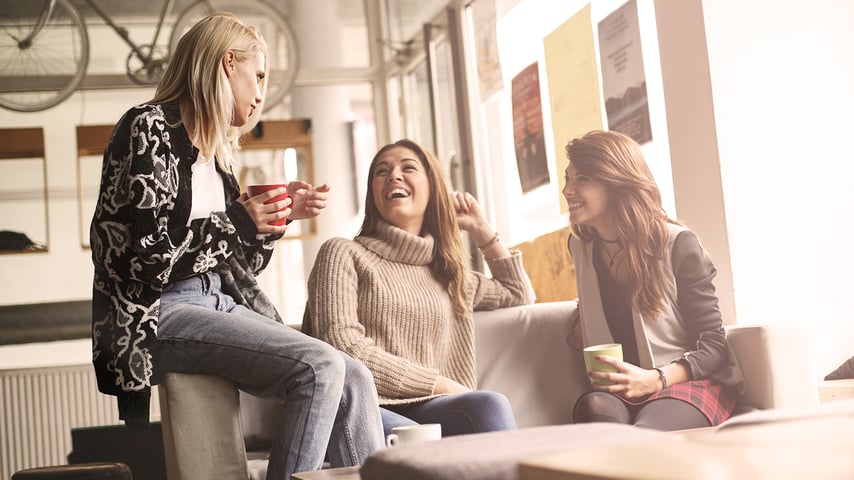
[528,137]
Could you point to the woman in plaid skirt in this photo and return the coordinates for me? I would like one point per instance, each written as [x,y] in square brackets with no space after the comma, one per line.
[645,282]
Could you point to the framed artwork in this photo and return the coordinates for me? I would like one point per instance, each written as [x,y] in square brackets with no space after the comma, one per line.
[623,77]
[528,129]
[23,191]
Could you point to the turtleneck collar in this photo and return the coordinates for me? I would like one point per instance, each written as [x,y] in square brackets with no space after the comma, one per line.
[398,245]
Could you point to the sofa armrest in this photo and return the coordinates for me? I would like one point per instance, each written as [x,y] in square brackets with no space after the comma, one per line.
[776,364]
[524,353]
[202,435]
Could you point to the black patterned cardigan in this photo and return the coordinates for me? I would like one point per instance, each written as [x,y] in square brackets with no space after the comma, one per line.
[141,242]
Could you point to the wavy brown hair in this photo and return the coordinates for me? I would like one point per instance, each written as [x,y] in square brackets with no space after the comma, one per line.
[196,79]
[440,220]
[615,161]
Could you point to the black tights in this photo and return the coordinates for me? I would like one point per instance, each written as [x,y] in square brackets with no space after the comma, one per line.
[663,414]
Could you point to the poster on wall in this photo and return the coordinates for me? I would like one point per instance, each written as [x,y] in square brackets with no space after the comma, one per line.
[528,135]
[573,80]
[623,78]
[486,49]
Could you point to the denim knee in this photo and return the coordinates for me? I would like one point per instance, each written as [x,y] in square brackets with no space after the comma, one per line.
[357,372]
[487,400]
[490,411]
[329,368]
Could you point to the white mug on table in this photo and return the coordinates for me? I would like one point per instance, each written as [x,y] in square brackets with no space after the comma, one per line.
[413,434]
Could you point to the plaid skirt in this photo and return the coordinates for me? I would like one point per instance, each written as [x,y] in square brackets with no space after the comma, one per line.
[711,398]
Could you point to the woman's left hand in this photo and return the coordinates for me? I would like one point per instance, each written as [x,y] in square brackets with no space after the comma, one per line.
[308,199]
[630,381]
[469,215]
[470,218]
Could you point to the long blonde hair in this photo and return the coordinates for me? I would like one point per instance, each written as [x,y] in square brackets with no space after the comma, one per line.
[440,220]
[615,161]
[196,79]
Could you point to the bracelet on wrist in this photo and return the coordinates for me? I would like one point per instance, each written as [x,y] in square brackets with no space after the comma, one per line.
[662,377]
[492,241]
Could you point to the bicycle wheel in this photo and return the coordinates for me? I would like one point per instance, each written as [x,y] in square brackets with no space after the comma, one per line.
[41,67]
[270,22]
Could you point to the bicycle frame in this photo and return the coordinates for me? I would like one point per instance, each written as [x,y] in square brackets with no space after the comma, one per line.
[40,23]
[123,32]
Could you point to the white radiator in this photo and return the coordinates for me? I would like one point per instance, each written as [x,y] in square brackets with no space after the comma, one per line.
[40,406]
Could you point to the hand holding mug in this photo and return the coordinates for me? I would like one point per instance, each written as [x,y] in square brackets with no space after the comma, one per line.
[269,206]
[597,362]
[609,373]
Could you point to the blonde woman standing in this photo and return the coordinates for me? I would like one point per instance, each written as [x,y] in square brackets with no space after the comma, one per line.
[176,247]
[643,281]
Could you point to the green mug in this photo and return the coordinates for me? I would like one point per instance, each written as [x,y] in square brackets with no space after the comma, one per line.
[607,349]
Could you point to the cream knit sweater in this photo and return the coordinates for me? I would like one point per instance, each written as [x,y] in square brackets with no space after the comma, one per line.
[375,299]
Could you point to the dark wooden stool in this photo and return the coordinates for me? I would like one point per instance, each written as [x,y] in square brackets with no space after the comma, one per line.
[80,471]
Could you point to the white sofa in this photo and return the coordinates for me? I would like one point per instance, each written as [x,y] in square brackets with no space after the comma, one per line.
[211,430]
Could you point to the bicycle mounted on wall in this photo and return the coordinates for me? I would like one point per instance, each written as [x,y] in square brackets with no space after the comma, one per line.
[44,47]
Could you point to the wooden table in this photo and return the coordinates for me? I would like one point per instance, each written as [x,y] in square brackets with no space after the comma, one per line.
[811,448]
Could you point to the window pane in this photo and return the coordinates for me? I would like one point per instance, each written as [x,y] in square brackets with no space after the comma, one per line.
[447,150]
[353,28]
[419,126]
[406,17]
[330,33]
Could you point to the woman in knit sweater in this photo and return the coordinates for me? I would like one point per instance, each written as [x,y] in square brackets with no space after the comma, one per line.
[399,297]
[643,281]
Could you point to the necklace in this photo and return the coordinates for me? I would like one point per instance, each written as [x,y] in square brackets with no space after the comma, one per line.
[612,257]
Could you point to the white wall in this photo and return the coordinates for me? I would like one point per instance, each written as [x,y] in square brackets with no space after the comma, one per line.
[782,75]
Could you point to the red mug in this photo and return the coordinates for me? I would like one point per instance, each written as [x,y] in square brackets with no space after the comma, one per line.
[253,190]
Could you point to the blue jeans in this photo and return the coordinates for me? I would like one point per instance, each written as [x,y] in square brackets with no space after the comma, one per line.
[330,402]
[477,411]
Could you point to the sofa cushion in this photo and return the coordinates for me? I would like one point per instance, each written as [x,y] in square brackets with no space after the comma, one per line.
[772,360]
[495,455]
[525,353]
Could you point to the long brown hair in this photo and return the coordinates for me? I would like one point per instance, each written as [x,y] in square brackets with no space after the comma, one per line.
[440,220]
[196,79]
[615,161]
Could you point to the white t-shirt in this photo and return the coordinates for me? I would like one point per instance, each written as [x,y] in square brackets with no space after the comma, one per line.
[208,191]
